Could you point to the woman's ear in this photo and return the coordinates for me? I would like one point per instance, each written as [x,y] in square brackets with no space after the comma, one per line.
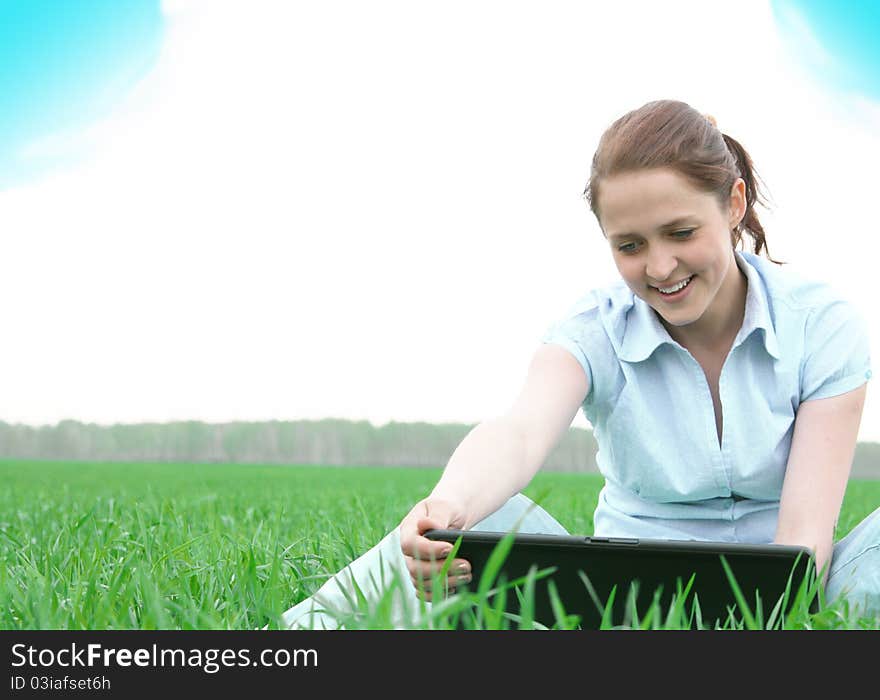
[737,202]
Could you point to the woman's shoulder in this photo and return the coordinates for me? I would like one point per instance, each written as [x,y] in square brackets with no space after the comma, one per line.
[791,290]
[595,321]
[601,302]
[806,311]
[590,329]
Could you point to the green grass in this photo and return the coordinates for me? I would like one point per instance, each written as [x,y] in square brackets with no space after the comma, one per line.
[181,546]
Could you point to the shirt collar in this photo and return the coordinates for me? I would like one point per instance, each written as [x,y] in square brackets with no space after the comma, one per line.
[643,332]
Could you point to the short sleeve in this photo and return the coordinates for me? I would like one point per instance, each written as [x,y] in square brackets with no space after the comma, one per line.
[836,352]
[573,334]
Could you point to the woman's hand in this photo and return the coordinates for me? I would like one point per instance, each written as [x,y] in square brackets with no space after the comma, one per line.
[425,557]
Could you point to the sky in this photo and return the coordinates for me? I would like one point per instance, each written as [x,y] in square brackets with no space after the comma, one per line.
[226,211]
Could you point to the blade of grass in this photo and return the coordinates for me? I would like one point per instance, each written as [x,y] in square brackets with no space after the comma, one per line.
[496,560]
[653,610]
[563,619]
[631,616]
[495,613]
[677,613]
[527,602]
[738,594]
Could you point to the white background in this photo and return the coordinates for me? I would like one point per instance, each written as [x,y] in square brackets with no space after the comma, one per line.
[373,210]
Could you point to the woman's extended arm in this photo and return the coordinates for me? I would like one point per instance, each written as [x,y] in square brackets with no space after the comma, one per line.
[500,457]
[819,463]
[495,461]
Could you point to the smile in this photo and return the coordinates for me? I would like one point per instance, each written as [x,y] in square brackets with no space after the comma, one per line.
[675,287]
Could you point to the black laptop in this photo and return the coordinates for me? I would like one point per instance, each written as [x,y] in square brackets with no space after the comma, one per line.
[586,571]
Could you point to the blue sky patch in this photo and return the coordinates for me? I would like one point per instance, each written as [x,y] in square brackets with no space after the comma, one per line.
[62,66]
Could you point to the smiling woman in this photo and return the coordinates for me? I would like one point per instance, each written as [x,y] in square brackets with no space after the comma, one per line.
[725,391]
[62,66]
[703,185]
[687,275]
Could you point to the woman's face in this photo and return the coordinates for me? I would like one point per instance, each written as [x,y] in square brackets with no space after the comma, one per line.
[662,233]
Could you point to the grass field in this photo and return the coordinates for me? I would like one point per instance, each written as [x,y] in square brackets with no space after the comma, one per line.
[183,546]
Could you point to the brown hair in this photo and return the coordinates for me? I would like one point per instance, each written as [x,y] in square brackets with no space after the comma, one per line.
[672,134]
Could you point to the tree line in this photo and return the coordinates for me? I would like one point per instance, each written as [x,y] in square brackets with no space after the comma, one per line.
[330,441]
[319,442]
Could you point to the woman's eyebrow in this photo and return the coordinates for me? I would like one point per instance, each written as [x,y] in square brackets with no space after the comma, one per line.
[680,221]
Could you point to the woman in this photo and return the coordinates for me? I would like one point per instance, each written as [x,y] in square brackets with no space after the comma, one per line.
[725,392]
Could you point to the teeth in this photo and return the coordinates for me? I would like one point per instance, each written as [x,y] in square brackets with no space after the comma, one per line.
[680,285]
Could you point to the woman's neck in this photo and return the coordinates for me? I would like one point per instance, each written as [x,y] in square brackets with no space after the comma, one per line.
[717,328]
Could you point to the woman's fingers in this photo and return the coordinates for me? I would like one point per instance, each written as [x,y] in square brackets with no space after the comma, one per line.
[422,548]
[422,574]
[414,544]
[425,588]
[426,569]
[426,558]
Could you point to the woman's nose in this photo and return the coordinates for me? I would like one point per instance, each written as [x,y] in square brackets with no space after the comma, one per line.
[660,265]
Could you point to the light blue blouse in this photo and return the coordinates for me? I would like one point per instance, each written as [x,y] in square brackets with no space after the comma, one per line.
[666,476]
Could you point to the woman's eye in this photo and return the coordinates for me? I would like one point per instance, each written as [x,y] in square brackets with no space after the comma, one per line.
[631,247]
